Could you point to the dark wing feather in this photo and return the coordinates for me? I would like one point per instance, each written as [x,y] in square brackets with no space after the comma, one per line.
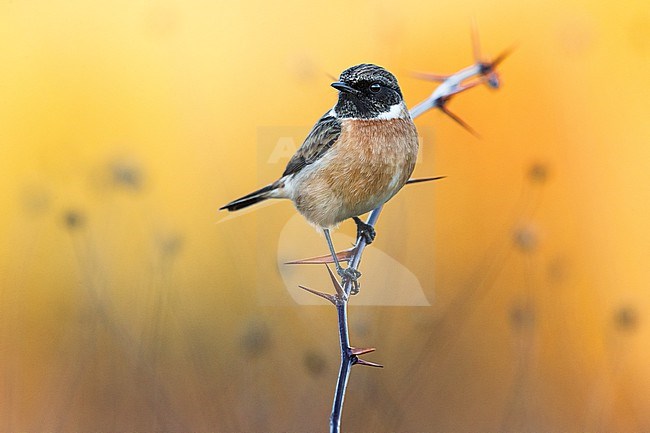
[322,136]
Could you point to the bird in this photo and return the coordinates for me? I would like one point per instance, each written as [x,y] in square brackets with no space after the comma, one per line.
[356,157]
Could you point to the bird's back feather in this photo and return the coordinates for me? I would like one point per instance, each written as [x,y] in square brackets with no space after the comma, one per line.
[320,139]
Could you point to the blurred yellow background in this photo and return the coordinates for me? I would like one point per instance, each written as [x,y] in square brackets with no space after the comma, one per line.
[128,304]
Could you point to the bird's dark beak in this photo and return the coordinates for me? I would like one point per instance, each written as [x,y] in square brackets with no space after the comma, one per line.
[342,87]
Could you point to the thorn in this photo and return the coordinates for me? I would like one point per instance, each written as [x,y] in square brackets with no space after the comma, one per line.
[342,256]
[476,45]
[469,86]
[489,75]
[501,57]
[458,120]
[366,363]
[360,350]
[337,286]
[430,77]
[424,179]
[327,296]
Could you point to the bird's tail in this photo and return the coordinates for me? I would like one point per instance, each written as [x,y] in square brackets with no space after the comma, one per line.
[252,198]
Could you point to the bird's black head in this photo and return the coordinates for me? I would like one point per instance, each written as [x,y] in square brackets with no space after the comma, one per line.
[366,92]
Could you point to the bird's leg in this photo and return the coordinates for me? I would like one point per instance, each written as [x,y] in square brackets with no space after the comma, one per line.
[347,274]
[364,230]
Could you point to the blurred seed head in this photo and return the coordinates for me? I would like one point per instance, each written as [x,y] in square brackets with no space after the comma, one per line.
[314,363]
[256,340]
[361,327]
[126,174]
[626,319]
[522,316]
[526,238]
[74,219]
[538,172]
[118,173]
[170,244]
[557,270]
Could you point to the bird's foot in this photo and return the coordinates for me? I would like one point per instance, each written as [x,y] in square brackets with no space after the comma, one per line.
[350,275]
[365,231]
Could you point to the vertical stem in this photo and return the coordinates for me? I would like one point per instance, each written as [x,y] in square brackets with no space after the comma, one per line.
[347,359]
[344,370]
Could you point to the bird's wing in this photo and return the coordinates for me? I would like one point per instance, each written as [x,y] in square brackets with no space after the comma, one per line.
[321,137]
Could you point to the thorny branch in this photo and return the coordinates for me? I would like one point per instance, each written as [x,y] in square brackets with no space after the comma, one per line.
[481,72]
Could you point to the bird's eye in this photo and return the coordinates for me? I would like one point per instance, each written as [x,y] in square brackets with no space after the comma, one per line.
[375,87]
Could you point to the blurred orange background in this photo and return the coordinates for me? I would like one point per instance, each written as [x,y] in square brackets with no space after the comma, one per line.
[128,304]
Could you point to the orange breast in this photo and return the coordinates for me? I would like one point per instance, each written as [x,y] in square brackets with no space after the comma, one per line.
[369,164]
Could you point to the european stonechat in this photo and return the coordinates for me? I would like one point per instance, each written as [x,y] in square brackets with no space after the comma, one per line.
[355,159]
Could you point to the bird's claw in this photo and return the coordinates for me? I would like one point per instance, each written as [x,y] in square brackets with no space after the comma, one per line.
[365,231]
[350,275]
